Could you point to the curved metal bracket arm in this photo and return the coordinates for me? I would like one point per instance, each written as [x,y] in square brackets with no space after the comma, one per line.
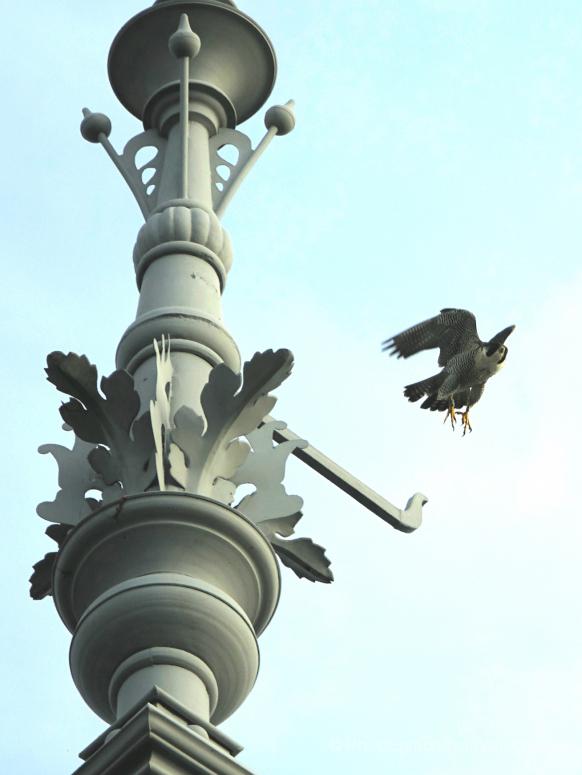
[96,128]
[279,120]
[406,520]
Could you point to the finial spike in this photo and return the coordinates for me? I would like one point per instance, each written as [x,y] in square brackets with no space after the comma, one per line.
[184,43]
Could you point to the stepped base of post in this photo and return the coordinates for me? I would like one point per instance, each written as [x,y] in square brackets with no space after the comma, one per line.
[165,589]
[159,736]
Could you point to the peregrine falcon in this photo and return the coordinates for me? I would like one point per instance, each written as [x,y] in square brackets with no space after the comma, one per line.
[468,362]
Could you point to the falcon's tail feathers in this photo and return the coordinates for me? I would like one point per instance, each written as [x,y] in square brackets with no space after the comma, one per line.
[426,387]
[432,402]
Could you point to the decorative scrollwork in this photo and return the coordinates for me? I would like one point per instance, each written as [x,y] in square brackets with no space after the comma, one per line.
[222,184]
[144,188]
[96,128]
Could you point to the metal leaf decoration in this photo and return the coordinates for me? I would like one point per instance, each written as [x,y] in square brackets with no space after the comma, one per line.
[265,468]
[274,511]
[112,451]
[305,558]
[118,454]
[125,452]
[76,477]
[205,453]
[41,579]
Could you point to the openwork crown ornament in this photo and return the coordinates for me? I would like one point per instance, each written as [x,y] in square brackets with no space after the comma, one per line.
[120,450]
[231,154]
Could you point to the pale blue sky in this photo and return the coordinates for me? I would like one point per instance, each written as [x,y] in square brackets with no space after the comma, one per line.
[437,161]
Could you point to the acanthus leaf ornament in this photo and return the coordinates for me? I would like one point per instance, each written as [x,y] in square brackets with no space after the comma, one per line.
[207,451]
[274,511]
[120,453]
[76,477]
[41,578]
[106,420]
[305,558]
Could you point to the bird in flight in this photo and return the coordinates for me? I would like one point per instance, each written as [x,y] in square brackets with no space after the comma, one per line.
[467,361]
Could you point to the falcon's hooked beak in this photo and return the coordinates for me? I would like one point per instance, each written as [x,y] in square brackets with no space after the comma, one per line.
[493,344]
[502,335]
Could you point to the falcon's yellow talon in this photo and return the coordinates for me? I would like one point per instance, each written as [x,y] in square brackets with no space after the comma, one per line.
[466,422]
[452,414]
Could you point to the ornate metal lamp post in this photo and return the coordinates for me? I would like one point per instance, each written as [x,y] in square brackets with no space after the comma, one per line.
[163,583]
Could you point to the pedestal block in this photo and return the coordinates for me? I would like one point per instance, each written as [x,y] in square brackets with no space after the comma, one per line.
[160,737]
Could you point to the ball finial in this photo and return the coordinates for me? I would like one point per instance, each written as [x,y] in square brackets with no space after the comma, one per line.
[95,124]
[281,117]
[184,42]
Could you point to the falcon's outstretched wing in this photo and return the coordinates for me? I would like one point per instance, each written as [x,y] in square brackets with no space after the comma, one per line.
[453,331]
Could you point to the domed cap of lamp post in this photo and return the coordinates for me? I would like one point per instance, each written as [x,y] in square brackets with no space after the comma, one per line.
[235,66]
